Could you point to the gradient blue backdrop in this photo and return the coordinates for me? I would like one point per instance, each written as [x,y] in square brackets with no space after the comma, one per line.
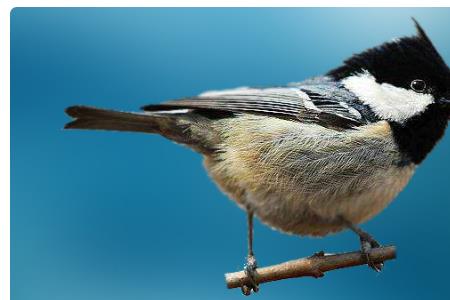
[105,215]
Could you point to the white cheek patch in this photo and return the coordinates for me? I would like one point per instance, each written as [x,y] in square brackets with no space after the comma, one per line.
[387,101]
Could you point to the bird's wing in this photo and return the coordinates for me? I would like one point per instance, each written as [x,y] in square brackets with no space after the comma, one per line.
[327,106]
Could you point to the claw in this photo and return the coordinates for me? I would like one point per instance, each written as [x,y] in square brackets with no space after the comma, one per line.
[367,244]
[250,271]
[246,291]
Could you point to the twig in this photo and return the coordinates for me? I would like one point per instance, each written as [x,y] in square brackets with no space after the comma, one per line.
[314,266]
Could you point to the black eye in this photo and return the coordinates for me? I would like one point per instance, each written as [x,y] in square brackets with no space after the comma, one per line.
[418,85]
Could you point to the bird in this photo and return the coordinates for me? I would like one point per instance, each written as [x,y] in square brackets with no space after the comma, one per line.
[314,157]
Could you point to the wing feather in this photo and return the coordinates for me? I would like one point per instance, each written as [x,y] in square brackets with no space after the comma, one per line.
[326,104]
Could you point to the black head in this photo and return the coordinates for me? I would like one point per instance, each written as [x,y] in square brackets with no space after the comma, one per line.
[411,63]
[407,83]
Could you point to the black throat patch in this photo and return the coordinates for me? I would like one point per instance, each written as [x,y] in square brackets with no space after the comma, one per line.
[417,137]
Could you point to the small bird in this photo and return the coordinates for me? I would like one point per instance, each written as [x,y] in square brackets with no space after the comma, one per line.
[313,157]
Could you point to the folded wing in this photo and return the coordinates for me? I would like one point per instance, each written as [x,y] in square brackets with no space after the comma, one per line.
[324,103]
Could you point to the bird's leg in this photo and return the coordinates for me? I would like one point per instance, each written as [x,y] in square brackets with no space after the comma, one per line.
[367,244]
[250,266]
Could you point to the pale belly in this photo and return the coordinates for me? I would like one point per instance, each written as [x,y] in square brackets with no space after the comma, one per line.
[299,184]
[322,213]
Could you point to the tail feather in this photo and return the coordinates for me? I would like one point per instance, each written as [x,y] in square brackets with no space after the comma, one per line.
[171,124]
[95,118]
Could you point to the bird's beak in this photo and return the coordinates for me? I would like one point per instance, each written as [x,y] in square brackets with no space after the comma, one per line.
[443,101]
[445,104]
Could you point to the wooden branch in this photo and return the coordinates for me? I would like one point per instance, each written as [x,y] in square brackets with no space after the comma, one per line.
[314,266]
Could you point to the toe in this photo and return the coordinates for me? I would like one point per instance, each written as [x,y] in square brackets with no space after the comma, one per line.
[251,262]
[374,244]
[366,246]
[250,271]
[377,267]
[246,291]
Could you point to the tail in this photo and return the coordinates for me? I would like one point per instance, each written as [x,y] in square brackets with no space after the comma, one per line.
[177,127]
[102,119]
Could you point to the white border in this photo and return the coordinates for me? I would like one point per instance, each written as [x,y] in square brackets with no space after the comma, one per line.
[224,3]
[5,154]
[7,6]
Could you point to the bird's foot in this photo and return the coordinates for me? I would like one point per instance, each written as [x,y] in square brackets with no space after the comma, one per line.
[250,271]
[367,244]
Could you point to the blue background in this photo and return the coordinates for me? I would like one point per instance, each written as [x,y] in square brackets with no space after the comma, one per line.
[105,215]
